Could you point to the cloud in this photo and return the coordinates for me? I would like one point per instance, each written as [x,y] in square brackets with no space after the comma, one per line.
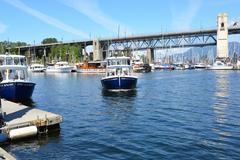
[91,9]
[3,28]
[45,18]
[182,19]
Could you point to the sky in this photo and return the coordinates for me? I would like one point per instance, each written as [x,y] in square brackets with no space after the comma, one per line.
[69,20]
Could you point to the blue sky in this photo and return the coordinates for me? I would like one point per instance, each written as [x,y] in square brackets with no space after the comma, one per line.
[33,20]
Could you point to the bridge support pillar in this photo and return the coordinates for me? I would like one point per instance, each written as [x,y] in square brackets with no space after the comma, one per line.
[97,51]
[222,36]
[150,55]
[44,56]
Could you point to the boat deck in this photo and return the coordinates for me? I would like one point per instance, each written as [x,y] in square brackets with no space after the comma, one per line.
[17,115]
[5,155]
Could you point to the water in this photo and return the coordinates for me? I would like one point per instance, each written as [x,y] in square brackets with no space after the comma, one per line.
[171,115]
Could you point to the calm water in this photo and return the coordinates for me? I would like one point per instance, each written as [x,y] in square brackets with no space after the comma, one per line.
[171,115]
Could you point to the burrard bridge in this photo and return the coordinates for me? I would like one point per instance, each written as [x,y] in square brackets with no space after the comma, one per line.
[197,38]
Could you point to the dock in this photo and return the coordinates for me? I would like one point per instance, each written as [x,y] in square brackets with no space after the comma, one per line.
[5,155]
[20,121]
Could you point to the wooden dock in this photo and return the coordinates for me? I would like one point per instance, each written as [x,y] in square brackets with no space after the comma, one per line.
[5,155]
[17,116]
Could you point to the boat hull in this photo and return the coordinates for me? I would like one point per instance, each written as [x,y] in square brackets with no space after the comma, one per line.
[16,91]
[221,68]
[119,83]
[91,71]
[59,70]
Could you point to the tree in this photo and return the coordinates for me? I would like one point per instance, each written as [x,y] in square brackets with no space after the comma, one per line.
[49,40]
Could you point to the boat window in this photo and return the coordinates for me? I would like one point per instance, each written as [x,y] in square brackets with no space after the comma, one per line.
[16,60]
[1,61]
[118,62]
[128,61]
[8,60]
[19,74]
[23,61]
[3,74]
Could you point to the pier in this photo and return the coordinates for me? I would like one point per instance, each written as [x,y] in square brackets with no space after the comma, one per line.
[20,121]
[5,155]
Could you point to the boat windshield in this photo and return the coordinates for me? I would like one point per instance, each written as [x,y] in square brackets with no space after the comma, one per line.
[9,74]
[113,62]
[118,72]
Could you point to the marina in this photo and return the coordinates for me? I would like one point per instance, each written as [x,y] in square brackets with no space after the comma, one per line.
[93,82]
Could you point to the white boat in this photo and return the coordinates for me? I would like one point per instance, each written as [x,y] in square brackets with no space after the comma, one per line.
[219,65]
[14,81]
[37,68]
[200,66]
[59,67]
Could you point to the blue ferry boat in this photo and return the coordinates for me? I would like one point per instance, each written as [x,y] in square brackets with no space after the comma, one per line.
[119,75]
[14,83]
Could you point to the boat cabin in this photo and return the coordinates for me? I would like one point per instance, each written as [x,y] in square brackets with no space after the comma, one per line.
[12,67]
[12,60]
[92,65]
[118,66]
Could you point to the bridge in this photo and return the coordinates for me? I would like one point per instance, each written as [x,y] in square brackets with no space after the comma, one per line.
[197,38]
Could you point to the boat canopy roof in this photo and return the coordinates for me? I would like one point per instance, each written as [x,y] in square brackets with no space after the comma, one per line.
[62,63]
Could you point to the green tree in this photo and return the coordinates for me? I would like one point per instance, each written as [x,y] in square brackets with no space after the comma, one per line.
[49,40]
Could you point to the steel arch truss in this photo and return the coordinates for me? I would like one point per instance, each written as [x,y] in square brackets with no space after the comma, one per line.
[161,42]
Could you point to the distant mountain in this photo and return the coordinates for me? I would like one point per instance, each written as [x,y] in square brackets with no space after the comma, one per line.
[209,52]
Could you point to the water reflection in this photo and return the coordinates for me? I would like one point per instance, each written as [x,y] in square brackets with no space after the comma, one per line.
[119,105]
[32,144]
[124,94]
[221,102]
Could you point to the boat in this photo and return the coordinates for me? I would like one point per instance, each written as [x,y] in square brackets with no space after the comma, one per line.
[119,75]
[200,66]
[37,68]
[189,66]
[179,66]
[14,81]
[220,65]
[92,67]
[137,64]
[166,67]
[59,67]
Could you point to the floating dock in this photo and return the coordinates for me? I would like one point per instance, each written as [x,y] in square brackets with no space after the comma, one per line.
[20,121]
[5,155]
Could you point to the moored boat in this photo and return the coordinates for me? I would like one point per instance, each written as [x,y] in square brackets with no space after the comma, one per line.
[59,67]
[14,85]
[37,68]
[92,67]
[119,75]
[220,65]
[200,66]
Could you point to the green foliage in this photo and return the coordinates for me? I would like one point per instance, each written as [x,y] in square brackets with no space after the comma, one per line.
[61,52]
[11,47]
[49,40]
